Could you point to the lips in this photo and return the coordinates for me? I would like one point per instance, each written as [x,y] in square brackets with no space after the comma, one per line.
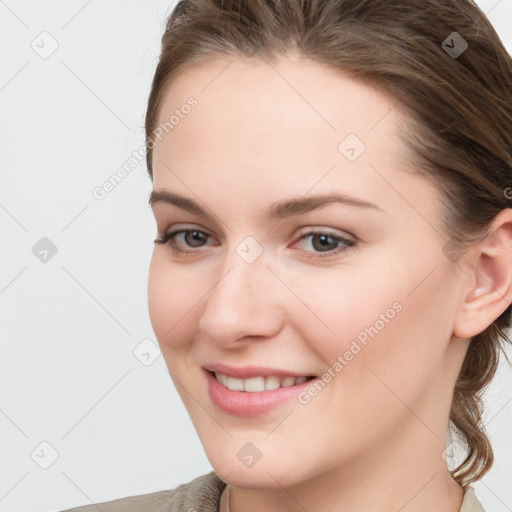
[246,372]
[251,391]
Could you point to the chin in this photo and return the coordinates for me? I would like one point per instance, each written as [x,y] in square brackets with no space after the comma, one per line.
[272,472]
[263,477]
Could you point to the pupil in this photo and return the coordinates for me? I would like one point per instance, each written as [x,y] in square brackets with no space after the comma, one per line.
[323,245]
[196,236]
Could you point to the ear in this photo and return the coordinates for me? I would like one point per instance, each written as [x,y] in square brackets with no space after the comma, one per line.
[490,264]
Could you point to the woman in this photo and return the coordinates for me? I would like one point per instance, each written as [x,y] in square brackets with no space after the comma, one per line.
[332,275]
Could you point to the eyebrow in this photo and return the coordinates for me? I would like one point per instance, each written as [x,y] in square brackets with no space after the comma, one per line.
[279,210]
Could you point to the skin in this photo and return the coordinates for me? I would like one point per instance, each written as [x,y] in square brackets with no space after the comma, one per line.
[373,438]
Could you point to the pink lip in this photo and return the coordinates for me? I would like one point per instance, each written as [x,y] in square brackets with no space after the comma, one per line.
[246,404]
[246,372]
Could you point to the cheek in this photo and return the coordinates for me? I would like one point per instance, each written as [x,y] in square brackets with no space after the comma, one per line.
[170,301]
[390,320]
[388,350]
[344,305]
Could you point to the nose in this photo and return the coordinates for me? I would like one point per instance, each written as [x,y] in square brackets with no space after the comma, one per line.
[244,303]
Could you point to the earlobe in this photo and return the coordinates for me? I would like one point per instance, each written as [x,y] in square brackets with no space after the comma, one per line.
[491,272]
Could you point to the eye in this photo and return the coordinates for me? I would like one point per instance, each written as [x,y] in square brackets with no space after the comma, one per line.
[327,243]
[321,241]
[192,238]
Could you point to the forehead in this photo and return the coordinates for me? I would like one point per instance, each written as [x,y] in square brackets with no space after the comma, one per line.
[281,89]
[280,129]
[281,105]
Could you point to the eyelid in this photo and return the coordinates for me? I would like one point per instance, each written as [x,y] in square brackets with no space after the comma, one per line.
[308,229]
[186,227]
[345,235]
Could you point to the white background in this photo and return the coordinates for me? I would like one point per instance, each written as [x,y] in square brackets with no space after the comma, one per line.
[68,327]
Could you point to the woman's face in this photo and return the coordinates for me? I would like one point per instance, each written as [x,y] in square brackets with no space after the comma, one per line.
[277,283]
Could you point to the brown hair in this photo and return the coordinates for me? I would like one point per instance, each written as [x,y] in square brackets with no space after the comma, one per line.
[459,106]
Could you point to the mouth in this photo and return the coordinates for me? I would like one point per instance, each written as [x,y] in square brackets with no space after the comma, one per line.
[261,383]
[252,391]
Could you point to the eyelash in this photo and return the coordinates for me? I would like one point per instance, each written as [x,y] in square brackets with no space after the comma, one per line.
[167,238]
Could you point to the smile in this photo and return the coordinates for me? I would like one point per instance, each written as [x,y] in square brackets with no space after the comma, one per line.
[258,384]
[252,391]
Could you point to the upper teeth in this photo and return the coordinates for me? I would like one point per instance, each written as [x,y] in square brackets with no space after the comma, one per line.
[255,384]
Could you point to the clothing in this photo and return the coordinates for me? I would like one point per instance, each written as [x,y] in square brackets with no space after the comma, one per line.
[202,495]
